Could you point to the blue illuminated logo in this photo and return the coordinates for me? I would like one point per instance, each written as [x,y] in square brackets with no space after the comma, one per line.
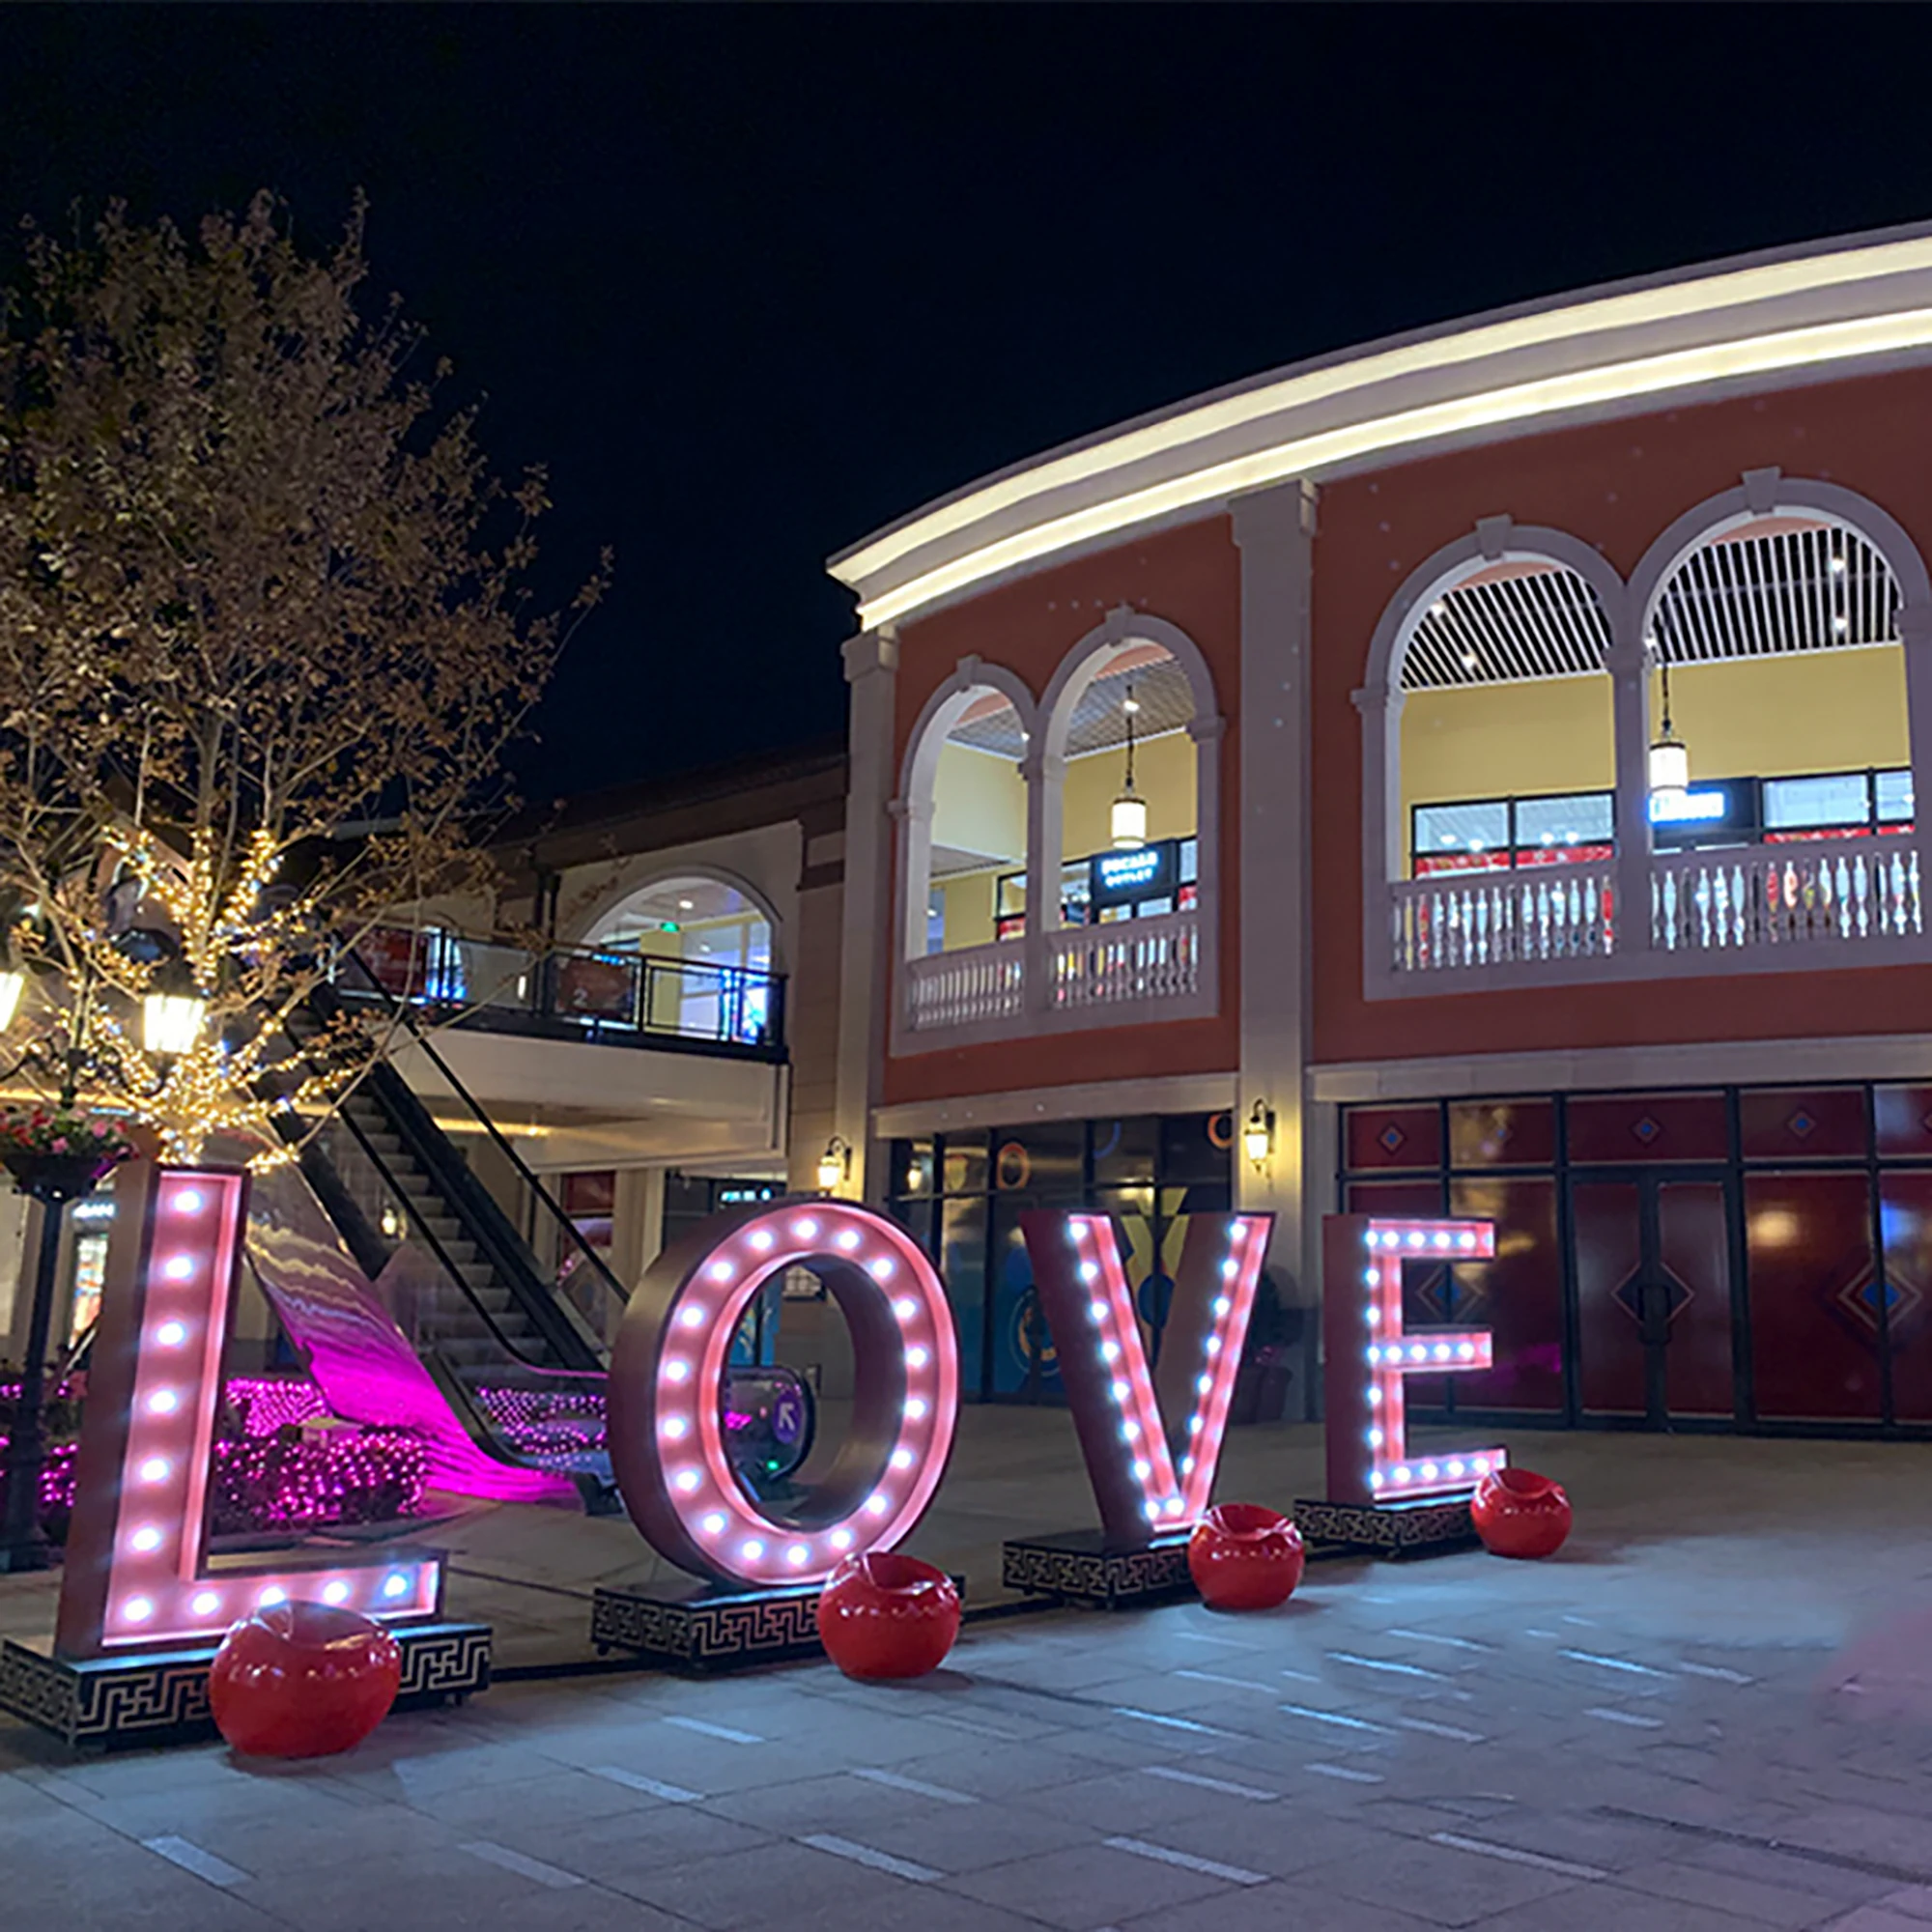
[1689,808]
[1129,868]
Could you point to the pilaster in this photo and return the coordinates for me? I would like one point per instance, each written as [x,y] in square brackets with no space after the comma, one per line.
[872,671]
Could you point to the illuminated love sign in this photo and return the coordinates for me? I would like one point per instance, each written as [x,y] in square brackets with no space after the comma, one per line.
[667,1433]
[1370,1356]
[137,1570]
[1151,1438]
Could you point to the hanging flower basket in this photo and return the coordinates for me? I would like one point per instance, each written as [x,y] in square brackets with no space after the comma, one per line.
[58,1154]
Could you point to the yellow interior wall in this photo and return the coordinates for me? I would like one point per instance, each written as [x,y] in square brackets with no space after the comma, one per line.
[969,909]
[1494,740]
[979,803]
[1831,710]
[1765,717]
[1163,776]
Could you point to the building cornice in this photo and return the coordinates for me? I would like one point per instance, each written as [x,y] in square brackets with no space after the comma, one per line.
[1823,309]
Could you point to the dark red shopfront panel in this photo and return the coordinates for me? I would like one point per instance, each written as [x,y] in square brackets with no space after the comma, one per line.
[1646,1244]
[1905,1224]
[1903,1119]
[1392,1140]
[1814,1327]
[1801,1122]
[1502,1133]
[1606,1223]
[1518,1297]
[1627,1128]
[1693,1252]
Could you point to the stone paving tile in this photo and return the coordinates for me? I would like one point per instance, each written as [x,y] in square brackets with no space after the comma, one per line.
[436,1886]
[963,1839]
[760,1886]
[1445,1886]
[1086,1887]
[1727,1891]
[1287,1907]
[620,1850]
[1769,1867]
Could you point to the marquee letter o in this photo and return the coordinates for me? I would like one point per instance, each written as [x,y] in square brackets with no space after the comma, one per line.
[666,1437]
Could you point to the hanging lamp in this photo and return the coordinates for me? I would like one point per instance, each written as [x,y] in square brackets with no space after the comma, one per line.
[1129,816]
[1669,758]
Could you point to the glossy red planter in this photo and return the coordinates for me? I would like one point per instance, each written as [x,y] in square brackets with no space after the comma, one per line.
[886,1615]
[302,1680]
[1244,1558]
[1518,1513]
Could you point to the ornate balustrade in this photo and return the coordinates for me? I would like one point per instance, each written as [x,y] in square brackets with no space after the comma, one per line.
[966,988]
[1087,975]
[1787,894]
[1850,901]
[1498,918]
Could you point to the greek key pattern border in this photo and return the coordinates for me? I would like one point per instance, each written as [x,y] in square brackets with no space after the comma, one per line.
[114,1701]
[702,1636]
[1430,1529]
[1095,1577]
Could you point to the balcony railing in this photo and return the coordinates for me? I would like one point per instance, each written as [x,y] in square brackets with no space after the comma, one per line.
[610,998]
[1493,918]
[1790,895]
[1848,901]
[1122,971]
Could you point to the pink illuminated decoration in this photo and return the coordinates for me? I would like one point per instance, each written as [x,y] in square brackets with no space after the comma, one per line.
[667,1434]
[1370,1356]
[1152,1438]
[137,1571]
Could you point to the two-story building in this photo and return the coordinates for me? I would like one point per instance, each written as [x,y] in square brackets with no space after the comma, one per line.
[1473,772]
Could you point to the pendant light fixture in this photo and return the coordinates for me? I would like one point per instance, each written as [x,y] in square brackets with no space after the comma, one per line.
[1129,818]
[1669,758]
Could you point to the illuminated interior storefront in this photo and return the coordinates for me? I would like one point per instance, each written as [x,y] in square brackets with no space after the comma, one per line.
[1776,671]
[961,1195]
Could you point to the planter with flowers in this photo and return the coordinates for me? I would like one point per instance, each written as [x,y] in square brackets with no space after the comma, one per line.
[58,1154]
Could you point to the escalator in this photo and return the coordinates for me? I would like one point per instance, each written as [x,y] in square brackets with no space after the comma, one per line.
[433,1298]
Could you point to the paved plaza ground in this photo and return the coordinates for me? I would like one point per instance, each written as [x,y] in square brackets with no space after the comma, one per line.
[1712,1711]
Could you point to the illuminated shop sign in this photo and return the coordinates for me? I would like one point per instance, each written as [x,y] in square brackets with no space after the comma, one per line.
[1370,1356]
[1703,805]
[137,1569]
[1148,870]
[666,1430]
[1151,1436]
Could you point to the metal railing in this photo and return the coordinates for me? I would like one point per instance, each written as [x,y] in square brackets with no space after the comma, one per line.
[606,996]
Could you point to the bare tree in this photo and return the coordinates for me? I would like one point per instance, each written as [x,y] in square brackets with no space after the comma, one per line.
[265,638]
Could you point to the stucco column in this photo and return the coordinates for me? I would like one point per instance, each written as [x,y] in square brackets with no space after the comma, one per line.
[1915,634]
[872,671]
[1627,661]
[1274,531]
[1045,779]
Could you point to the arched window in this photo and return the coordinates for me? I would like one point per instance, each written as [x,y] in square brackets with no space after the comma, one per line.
[1132,919]
[1490,821]
[1508,737]
[706,944]
[1783,630]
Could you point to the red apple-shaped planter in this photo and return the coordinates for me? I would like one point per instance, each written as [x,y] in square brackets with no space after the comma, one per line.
[882,1614]
[1518,1513]
[1244,1558]
[302,1680]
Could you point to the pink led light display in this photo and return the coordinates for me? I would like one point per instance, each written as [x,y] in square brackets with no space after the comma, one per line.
[138,1571]
[1370,1356]
[1151,1439]
[666,1428]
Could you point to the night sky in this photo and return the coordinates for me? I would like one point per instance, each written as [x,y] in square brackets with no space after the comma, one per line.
[753,281]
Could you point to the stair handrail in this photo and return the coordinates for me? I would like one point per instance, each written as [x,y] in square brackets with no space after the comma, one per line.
[366,1245]
[402,1010]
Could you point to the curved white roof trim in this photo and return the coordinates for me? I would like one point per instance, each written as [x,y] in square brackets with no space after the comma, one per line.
[1809,309]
